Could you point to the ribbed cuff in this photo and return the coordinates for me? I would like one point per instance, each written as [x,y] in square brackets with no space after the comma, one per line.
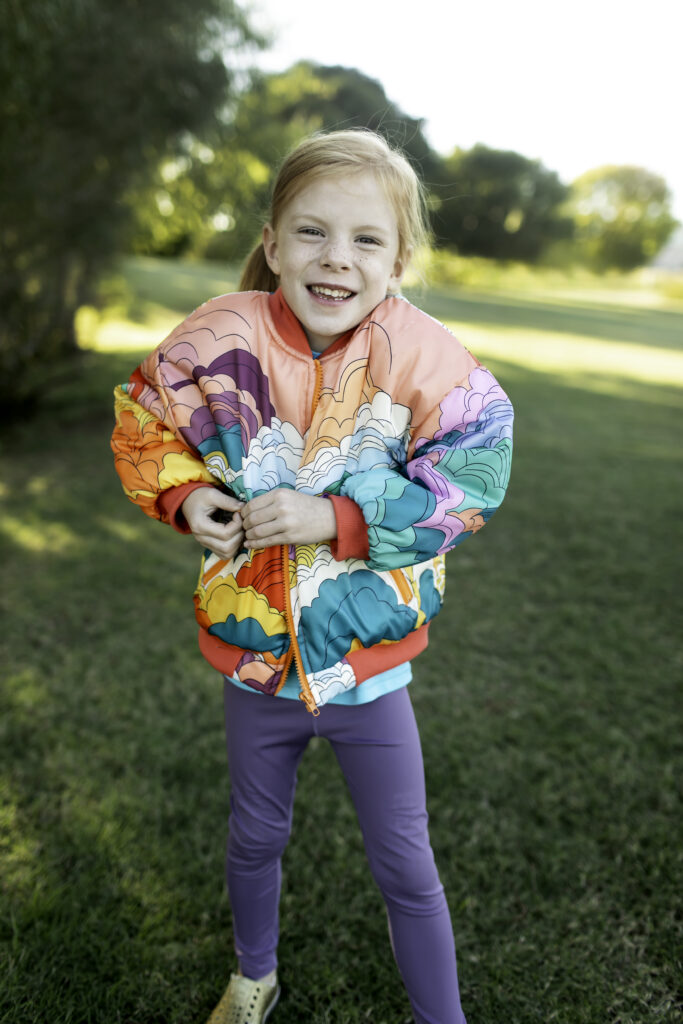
[352,531]
[169,504]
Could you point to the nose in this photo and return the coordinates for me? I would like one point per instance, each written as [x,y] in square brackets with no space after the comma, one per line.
[336,256]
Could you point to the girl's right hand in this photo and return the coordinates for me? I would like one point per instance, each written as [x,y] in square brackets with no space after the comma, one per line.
[202,509]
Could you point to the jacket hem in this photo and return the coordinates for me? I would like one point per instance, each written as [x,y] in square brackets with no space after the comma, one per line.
[369,661]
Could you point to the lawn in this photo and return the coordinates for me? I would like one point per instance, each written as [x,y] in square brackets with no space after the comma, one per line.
[548,701]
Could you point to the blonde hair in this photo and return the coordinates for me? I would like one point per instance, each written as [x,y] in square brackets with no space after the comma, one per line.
[327,154]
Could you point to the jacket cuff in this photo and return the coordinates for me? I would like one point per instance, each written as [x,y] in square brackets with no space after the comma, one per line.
[169,504]
[352,539]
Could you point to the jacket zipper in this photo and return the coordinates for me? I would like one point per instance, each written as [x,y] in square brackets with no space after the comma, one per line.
[288,659]
[306,695]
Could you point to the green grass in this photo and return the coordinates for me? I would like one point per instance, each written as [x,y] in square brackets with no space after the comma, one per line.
[548,702]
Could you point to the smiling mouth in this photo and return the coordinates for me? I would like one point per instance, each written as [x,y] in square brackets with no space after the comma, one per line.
[332,294]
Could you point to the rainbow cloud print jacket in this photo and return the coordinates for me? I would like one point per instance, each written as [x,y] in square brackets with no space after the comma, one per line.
[396,422]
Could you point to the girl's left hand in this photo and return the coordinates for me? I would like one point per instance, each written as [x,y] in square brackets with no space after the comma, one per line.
[283,516]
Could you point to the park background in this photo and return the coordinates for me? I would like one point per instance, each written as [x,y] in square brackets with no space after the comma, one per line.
[136,154]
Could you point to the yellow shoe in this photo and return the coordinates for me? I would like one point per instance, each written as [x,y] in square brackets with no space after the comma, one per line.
[245,1002]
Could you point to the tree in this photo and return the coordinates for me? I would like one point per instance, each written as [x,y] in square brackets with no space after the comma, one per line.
[623,216]
[91,93]
[223,188]
[354,100]
[211,195]
[498,204]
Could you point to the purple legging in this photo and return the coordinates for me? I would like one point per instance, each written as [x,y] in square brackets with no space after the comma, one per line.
[378,749]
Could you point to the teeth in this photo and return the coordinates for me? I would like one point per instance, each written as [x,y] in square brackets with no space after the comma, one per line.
[331,293]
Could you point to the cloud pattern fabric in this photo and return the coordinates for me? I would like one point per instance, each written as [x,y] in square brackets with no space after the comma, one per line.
[407,425]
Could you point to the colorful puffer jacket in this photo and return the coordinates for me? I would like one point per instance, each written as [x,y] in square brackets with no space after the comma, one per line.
[396,419]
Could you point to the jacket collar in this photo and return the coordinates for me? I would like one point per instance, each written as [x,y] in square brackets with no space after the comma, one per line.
[289,328]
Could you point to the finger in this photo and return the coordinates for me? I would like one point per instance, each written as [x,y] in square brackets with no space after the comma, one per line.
[226,554]
[219,532]
[224,549]
[215,530]
[263,509]
[257,519]
[226,501]
[230,532]
[262,501]
[258,531]
[269,505]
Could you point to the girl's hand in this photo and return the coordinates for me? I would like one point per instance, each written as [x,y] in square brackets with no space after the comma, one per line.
[283,516]
[204,509]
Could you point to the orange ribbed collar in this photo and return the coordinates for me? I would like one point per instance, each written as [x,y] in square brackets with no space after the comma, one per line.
[291,330]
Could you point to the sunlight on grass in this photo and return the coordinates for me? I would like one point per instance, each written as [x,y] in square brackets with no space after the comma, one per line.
[593,297]
[645,288]
[563,354]
[38,485]
[18,854]
[25,690]
[124,531]
[109,332]
[636,297]
[40,537]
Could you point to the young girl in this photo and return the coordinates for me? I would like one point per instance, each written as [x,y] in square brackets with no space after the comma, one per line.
[325,442]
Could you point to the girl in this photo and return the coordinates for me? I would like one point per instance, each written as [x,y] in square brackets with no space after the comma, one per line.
[325,442]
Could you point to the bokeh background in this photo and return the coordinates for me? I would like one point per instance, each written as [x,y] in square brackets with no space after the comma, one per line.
[139,141]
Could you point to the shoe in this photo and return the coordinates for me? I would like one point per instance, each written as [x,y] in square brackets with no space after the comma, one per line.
[245,1002]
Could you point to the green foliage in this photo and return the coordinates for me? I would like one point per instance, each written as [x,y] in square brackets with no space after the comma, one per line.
[91,92]
[623,216]
[498,204]
[212,197]
[349,99]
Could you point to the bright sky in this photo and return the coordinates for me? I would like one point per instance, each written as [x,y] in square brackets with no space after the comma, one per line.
[575,85]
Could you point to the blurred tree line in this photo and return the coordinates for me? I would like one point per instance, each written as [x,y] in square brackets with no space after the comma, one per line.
[126,128]
[498,204]
[94,94]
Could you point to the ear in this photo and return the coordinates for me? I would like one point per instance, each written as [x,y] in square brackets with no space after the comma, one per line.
[270,249]
[400,267]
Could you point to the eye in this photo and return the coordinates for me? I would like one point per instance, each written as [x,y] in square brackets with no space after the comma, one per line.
[368,240]
[314,232]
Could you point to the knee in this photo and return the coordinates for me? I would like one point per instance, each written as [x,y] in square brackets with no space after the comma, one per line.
[407,876]
[254,839]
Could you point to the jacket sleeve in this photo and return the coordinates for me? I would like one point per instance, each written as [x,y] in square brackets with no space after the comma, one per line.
[150,458]
[454,480]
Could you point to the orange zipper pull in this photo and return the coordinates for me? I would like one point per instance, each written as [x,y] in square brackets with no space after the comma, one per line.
[307,698]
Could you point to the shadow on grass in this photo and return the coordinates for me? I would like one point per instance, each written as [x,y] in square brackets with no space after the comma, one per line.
[546,703]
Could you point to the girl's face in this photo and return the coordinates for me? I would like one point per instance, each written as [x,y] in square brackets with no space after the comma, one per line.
[335,251]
